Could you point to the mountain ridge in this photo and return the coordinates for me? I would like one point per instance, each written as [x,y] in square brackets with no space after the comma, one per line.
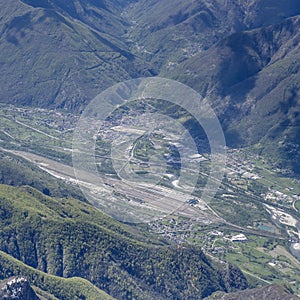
[88,60]
[242,56]
[252,80]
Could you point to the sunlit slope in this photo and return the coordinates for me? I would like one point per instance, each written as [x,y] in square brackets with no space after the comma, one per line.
[69,238]
[49,59]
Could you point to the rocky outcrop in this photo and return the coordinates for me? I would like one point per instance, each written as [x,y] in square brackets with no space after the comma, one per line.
[17,288]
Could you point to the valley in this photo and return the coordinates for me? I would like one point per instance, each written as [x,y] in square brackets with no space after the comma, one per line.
[253,220]
[180,179]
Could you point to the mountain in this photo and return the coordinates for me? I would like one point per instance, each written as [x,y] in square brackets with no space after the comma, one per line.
[45,286]
[252,80]
[172,31]
[58,235]
[50,59]
[16,171]
[60,55]
[242,55]
[69,238]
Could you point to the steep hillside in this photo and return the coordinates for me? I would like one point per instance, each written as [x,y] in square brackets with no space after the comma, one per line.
[244,56]
[252,80]
[69,238]
[16,171]
[48,287]
[50,59]
[173,31]
[61,54]
[101,15]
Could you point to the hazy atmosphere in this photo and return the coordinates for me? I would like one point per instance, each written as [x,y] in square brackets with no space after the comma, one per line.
[150,149]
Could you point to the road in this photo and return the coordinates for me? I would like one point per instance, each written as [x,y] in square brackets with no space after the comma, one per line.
[259,278]
[37,130]
[294,205]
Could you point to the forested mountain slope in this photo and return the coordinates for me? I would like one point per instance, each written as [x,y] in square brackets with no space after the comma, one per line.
[252,79]
[50,59]
[69,238]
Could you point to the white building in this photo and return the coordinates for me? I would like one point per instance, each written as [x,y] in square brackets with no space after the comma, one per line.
[239,238]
